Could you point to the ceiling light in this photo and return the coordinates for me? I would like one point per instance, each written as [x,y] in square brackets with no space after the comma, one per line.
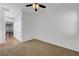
[36,6]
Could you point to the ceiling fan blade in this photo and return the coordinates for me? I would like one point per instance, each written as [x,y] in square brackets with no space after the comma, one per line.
[29,5]
[42,6]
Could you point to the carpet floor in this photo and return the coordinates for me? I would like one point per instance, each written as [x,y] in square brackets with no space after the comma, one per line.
[36,48]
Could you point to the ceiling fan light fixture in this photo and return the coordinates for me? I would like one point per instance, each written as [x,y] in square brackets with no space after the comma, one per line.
[35,6]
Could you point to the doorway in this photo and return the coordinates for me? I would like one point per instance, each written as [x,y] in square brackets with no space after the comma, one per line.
[9,34]
[9,29]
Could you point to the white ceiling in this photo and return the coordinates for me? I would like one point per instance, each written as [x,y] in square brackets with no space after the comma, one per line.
[29,9]
[49,6]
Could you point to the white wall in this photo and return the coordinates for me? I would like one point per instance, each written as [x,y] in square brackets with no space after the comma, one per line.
[57,25]
[18,30]
[2,26]
[18,26]
[29,25]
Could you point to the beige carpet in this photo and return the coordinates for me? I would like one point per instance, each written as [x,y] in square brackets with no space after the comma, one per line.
[36,48]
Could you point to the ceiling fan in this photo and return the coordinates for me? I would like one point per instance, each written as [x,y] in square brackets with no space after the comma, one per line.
[36,6]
